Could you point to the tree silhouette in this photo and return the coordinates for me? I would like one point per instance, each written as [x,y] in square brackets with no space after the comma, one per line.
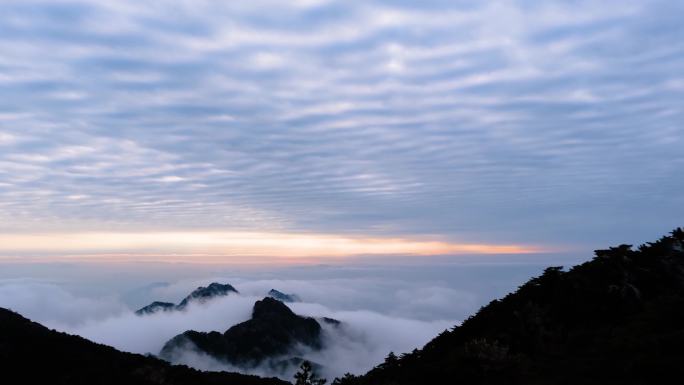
[347,378]
[306,376]
[614,319]
[390,361]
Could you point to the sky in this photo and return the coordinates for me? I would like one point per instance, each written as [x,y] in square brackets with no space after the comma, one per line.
[214,131]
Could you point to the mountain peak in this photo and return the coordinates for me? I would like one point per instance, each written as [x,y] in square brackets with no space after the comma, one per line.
[274,331]
[280,296]
[155,307]
[270,308]
[202,294]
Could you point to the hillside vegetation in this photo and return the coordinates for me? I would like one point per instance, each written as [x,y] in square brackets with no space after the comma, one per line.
[617,319]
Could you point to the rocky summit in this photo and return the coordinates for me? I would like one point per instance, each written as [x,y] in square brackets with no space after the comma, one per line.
[203,294]
[200,295]
[273,332]
[155,307]
[280,296]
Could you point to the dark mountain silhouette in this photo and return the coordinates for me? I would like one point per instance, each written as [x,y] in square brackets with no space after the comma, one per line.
[33,354]
[280,296]
[618,319]
[156,306]
[201,294]
[331,321]
[273,332]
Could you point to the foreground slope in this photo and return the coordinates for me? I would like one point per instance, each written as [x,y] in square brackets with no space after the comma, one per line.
[618,319]
[33,354]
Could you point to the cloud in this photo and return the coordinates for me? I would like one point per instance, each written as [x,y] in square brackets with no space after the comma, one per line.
[367,337]
[363,340]
[505,121]
[148,334]
[49,302]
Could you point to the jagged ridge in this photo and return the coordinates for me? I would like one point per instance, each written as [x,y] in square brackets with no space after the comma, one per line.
[201,295]
[273,331]
[283,297]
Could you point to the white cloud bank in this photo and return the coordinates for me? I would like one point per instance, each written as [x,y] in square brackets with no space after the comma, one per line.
[365,338]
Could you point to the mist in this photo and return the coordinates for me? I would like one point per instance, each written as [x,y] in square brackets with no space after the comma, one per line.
[380,311]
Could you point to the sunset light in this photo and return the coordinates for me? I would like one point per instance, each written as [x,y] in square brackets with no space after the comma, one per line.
[228,246]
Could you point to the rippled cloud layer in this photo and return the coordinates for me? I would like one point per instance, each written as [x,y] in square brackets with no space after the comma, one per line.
[511,121]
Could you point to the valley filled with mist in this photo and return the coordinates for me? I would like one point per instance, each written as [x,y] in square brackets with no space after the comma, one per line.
[378,308]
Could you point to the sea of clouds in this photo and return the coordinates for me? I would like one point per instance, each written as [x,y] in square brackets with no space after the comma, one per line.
[380,312]
[365,338]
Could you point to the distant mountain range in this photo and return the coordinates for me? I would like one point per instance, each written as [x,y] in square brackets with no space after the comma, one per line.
[274,336]
[203,294]
[617,319]
[200,295]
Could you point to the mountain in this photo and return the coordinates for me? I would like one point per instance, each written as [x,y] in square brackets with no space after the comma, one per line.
[617,319]
[273,332]
[280,296]
[156,306]
[33,354]
[201,295]
[331,321]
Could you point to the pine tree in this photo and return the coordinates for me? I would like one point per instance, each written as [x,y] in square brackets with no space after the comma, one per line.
[306,376]
[390,361]
[346,379]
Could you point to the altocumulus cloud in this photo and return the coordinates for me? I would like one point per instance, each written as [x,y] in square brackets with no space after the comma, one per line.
[516,119]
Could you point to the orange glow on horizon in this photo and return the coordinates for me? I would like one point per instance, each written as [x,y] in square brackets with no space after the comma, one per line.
[217,246]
